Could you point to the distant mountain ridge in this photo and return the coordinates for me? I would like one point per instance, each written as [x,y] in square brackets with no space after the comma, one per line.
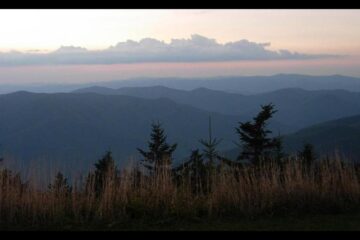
[297,108]
[246,84]
[79,128]
[235,84]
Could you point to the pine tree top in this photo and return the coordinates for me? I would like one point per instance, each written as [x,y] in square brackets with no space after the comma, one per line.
[159,151]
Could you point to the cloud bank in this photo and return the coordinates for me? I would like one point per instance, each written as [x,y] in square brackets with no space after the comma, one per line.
[196,49]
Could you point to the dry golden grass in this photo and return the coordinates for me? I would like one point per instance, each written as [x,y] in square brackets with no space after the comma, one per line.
[291,188]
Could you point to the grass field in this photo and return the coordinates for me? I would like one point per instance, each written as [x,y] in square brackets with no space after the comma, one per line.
[322,197]
[324,222]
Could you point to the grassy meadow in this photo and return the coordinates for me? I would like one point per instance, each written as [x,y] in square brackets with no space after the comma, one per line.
[237,197]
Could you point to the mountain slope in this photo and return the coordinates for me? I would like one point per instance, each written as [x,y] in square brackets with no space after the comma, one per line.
[297,108]
[79,128]
[342,135]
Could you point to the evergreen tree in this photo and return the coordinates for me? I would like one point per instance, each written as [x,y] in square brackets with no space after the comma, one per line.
[60,185]
[105,172]
[279,153]
[9,180]
[307,154]
[159,155]
[210,151]
[1,158]
[256,143]
[194,170]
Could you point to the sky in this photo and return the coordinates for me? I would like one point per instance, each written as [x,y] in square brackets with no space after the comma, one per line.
[71,46]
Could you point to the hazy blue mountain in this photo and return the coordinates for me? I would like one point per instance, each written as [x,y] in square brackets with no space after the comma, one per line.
[297,108]
[77,129]
[248,84]
[341,135]
[301,108]
[236,84]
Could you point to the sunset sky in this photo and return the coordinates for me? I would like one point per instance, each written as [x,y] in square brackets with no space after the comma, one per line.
[65,46]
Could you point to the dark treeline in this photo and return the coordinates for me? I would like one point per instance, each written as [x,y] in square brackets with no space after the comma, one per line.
[256,147]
